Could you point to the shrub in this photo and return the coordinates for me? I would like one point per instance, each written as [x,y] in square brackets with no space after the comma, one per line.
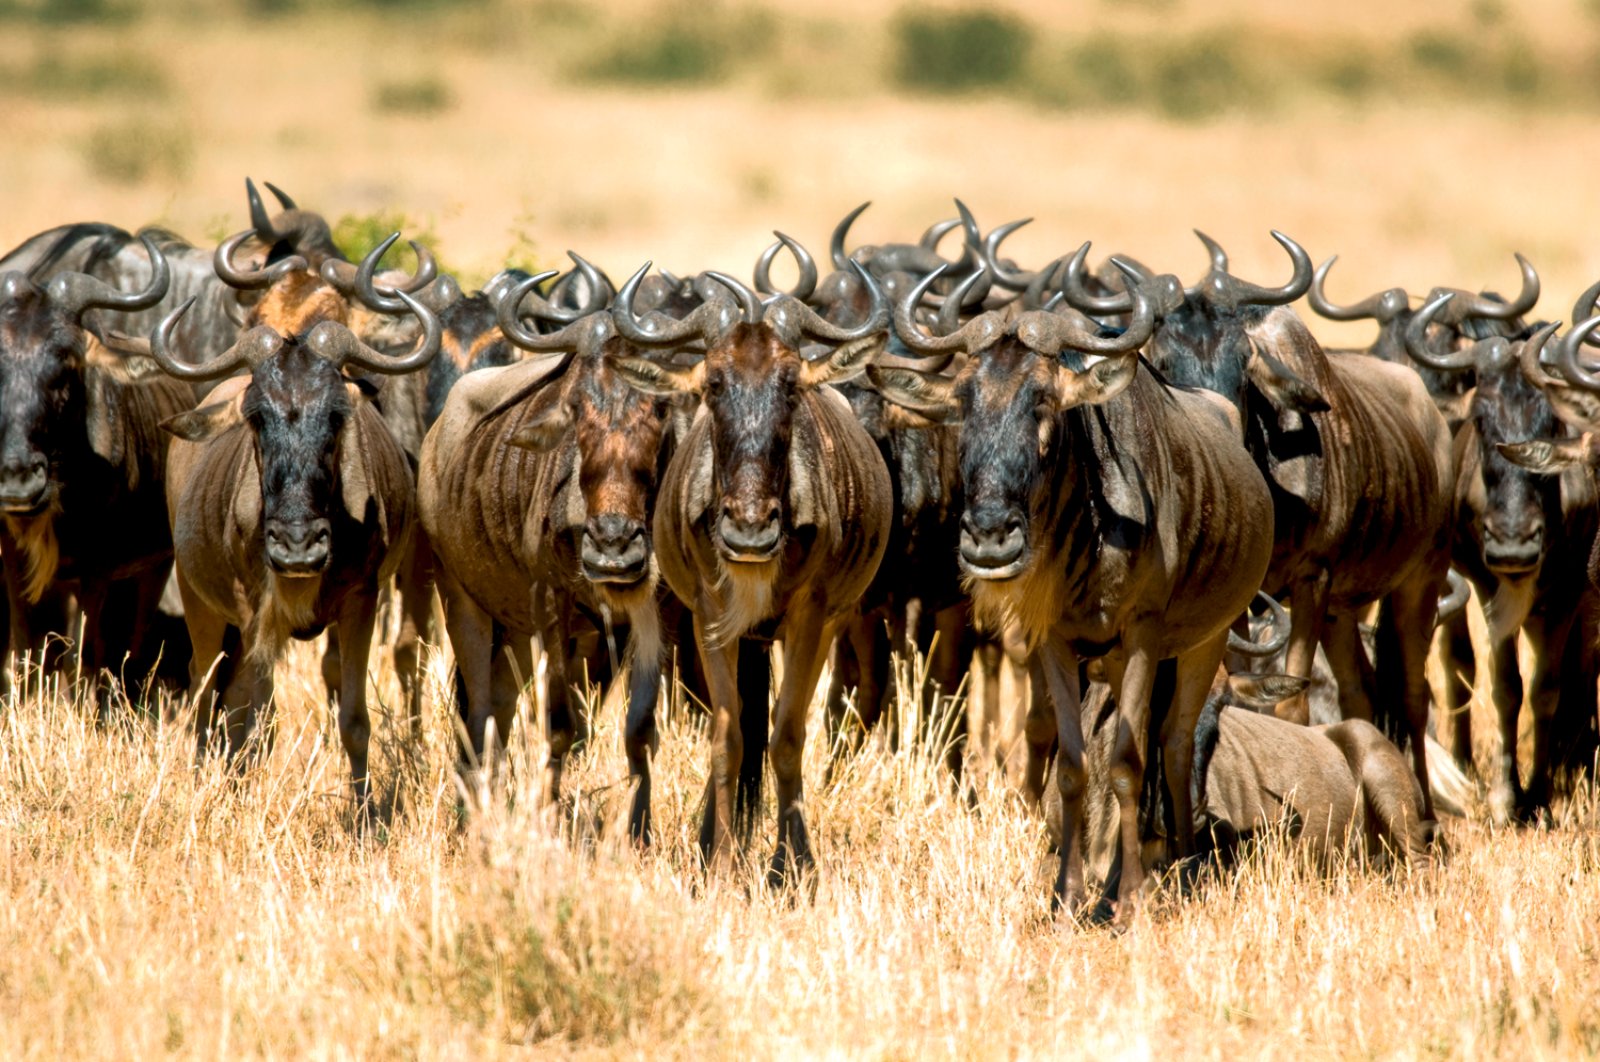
[681,45]
[957,51]
[128,152]
[357,234]
[71,77]
[422,95]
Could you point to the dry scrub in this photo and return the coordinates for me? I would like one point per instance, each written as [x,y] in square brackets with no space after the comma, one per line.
[151,908]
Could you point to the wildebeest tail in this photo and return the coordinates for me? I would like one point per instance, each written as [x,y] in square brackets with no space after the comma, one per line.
[1206,733]
[1389,712]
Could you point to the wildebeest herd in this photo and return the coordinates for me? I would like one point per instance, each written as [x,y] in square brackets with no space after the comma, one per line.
[1117,476]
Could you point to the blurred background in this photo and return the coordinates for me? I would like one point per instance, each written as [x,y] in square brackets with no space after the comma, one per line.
[1422,141]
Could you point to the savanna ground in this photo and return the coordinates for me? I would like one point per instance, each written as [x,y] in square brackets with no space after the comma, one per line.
[148,908]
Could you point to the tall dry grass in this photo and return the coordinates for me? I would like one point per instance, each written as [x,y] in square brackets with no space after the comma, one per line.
[152,908]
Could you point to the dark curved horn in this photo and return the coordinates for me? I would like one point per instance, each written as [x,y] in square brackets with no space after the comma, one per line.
[1455,598]
[807,284]
[1585,307]
[1078,296]
[251,349]
[972,238]
[362,283]
[1531,359]
[339,345]
[281,196]
[1280,631]
[1033,297]
[1008,279]
[975,334]
[77,293]
[1240,291]
[1385,306]
[876,320]
[1051,333]
[1526,299]
[749,301]
[508,312]
[250,279]
[935,234]
[260,222]
[1416,336]
[656,329]
[841,258]
[1219,257]
[1567,350]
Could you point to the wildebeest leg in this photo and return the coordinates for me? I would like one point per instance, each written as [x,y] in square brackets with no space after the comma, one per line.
[332,664]
[207,630]
[416,615]
[1308,602]
[1412,608]
[1131,680]
[93,659]
[639,737]
[851,652]
[987,657]
[1040,729]
[805,646]
[510,670]
[1196,671]
[1057,668]
[1460,666]
[1347,658]
[755,721]
[1505,690]
[948,660]
[721,666]
[355,728]
[1547,637]
[552,617]
[471,634]
[246,700]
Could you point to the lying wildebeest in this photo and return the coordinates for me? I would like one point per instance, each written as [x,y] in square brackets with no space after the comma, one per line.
[1081,480]
[536,489]
[290,504]
[773,513]
[82,461]
[1521,539]
[1358,459]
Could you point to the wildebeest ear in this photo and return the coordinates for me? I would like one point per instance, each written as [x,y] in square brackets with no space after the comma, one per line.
[356,487]
[847,361]
[545,430]
[1573,405]
[1263,692]
[1549,456]
[207,422]
[125,359]
[1284,388]
[654,378]
[1099,383]
[897,417]
[931,395]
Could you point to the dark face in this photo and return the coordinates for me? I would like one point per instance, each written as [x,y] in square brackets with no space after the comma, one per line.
[1506,408]
[1008,401]
[751,388]
[619,434]
[296,406]
[1197,347]
[42,401]
[472,340]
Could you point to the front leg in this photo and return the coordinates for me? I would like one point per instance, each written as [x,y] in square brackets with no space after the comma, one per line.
[806,636]
[1308,603]
[1505,690]
[1131,682]
[1057,667]
[720,663]
[1197,669]
[355,727]
[640,738]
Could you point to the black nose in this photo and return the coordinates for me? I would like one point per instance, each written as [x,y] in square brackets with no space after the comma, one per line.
[298,547]
[991,540]
[751,530]
[23,483]
[1513,549]
[614,549]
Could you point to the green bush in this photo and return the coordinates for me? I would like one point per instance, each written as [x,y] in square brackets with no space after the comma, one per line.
[357,234]
[128,152]
[684,45]
[422,95]
[958,51]
[71,77]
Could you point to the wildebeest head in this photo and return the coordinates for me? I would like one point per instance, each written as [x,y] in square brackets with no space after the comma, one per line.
[751,380]
[1022,374]
[292,232]
[299,408]
[616,431]
[47,397]
[893,265]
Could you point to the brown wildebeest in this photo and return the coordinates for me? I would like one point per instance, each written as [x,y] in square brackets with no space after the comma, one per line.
[774,511]
[536,489]
[1081,480]
[1359,462]
[290,504]
[1521,539]
[82,461]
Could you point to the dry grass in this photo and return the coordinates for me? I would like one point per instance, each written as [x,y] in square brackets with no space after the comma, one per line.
[149,908]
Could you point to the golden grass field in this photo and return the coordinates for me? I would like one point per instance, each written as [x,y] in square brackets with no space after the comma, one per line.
[148,908]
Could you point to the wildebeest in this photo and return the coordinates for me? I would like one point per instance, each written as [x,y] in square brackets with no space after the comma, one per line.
[772,516]
[1521,539]
[537,487]
[1358,459]
[290,504]
[82,460]
[1081,480]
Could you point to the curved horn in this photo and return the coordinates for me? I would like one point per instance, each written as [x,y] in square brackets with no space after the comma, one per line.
[260,222]
[749,301]
[1280,631]
[1050,333]
[1585,307]
[876,320]
[1505,311]
[935,234]
[1417,334]
[972,237]
[508,312]
[1078,296]
[77,293]
[841,259]
[250,279]
[657,329]
[252,348]
[339,345]
[1567,350]
[1531,356]
[1235,291]
[362,284]
[1455,598]
[1008,279]
[281,196]
[807,284]
[1385,306]
[1219,257]
[976,333]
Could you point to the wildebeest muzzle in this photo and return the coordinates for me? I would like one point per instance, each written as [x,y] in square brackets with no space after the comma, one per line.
[614,549]
[25,485]
[751,532]
[993,543]
[299,547]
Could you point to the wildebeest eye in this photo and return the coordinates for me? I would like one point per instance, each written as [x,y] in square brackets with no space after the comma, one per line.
[714,382]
